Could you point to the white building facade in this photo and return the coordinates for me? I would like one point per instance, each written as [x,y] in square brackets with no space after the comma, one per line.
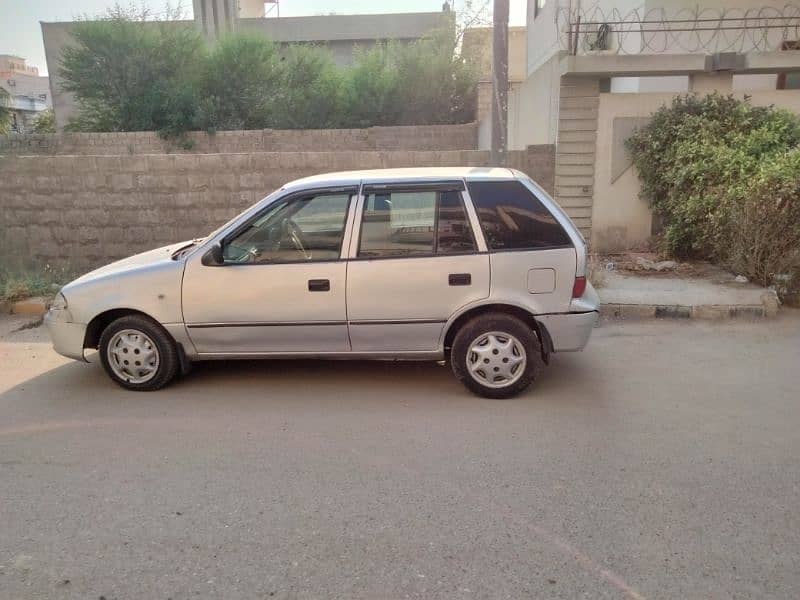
[597,70]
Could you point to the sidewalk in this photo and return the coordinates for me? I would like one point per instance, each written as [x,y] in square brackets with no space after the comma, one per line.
[716,295]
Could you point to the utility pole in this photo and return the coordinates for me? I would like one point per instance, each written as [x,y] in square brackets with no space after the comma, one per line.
[500,84]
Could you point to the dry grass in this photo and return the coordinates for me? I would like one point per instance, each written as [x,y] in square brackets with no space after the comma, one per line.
[20,284]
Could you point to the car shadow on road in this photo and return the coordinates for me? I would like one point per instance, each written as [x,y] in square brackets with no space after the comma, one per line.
[259,382]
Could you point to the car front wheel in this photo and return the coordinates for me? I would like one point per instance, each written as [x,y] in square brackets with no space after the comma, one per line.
[138,354]
[495,355]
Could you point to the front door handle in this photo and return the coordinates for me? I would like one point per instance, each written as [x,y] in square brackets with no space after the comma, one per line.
[319,285]
[459,279]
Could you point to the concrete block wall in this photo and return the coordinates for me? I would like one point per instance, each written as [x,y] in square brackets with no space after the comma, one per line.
[80,212]
[413,137]
[575,149]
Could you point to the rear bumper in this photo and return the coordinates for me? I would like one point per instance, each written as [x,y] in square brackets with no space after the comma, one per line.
[569,331]
[67,337]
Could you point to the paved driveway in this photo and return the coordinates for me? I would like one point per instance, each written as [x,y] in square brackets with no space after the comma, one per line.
[663,462]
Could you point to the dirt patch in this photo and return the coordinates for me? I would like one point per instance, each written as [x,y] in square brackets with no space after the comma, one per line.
[651,264]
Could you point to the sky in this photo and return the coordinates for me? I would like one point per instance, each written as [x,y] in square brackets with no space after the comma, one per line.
[21,35]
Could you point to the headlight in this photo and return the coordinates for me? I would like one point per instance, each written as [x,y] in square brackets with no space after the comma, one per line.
[59,302]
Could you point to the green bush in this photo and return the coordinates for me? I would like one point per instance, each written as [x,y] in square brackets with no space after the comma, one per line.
[713,168]
[132,74]
[5,112]
[310,92]
[45,122]
[129,74]
[239,81]
[370,89]
[17,284]
[764,221]
[436,85]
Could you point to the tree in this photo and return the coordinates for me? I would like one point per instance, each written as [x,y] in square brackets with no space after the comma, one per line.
[424,82]
[5,112]
[438,86]
[240,81]
[310,92]
[132,74]
[45,122]
[371,88]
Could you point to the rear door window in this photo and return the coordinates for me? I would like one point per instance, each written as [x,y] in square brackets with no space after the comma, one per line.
[414,223]
[513,218]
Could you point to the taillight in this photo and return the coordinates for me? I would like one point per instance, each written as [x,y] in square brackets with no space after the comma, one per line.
[579,287]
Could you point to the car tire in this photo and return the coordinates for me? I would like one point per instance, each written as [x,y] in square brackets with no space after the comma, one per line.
[496,355]
[138,354]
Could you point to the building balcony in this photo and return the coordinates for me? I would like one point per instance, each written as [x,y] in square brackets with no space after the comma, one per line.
[602,29]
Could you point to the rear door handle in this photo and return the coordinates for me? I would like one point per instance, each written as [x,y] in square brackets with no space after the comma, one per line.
[459,279]
[319,285]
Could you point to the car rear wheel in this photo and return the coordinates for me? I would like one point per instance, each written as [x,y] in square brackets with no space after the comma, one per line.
[138,354]
[495,355]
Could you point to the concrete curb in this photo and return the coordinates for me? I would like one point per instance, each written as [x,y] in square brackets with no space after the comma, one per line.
[706,312]
[710,312]
[34,307]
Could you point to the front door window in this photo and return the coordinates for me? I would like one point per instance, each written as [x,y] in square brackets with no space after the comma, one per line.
[304,229]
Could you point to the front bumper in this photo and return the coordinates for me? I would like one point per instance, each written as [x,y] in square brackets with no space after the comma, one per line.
[67,337]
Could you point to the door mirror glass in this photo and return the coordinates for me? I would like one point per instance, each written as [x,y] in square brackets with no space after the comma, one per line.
[214,256]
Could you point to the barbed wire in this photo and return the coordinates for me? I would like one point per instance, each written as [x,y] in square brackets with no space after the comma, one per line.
[692,30]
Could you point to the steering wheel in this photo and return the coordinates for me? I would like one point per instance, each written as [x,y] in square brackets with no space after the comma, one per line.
[295,234]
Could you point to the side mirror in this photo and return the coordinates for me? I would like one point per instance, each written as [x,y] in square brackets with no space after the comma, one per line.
[214,256]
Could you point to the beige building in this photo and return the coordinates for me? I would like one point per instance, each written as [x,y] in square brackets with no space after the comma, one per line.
[595,71]
[29,93]
[477,46]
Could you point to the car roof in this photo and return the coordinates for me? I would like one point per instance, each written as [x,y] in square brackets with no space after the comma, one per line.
[400,175]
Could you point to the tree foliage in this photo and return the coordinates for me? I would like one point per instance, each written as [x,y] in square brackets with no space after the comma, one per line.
[723,175]
[45,122]
[132,74]
[5,112]
[240,78]
[426,82]
[309,96]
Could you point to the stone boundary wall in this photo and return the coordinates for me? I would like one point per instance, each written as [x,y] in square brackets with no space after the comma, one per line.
[78,212]
[413,137]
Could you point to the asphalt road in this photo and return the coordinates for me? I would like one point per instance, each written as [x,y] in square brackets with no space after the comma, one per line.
[662,462]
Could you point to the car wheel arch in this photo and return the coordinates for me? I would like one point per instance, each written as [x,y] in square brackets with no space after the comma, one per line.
[102,320]
[526,316]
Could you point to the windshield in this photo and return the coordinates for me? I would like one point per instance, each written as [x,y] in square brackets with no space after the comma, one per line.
[247,212]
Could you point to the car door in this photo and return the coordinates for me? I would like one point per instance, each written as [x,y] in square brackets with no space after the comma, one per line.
[414,261]
[280,287]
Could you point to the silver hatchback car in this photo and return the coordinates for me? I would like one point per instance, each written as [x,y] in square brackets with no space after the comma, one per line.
[476,266]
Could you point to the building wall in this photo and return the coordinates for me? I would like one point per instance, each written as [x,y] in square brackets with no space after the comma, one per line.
[543,35]
[477,45]
[29,94]
[321,28]
[620,218]
[16,64]
[56,36]
[414,137]
[83,211]
[533,107]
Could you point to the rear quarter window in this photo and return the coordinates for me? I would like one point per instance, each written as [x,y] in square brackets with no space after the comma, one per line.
[513,218]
